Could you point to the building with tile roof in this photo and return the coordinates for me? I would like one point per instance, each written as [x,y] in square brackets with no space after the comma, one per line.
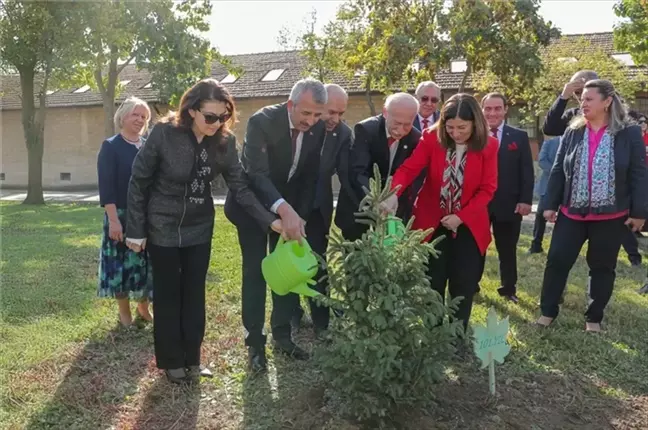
[74,125]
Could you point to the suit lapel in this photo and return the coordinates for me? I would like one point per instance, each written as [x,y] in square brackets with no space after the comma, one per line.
[331,147]
[417,123]
[383,146]
[284,140]
[402,152]
[506,139]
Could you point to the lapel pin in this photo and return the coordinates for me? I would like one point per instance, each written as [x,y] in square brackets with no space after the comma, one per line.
[334,134]
[405,147]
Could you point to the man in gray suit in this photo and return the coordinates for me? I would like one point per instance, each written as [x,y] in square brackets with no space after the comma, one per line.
[334,159]
[281,155]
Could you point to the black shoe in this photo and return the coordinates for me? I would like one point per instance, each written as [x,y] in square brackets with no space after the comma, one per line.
[257,359]
[300,321]
[535,250]
[177,376]
[195,372]
[644,289]
[288,347]
[635,262]
[508,293]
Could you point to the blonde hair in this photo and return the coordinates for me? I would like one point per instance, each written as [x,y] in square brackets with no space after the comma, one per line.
[618,118]
[129,106]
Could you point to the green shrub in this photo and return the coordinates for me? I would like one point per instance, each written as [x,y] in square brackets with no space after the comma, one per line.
[395,334]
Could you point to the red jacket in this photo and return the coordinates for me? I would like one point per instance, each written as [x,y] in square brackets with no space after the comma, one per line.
[480,183]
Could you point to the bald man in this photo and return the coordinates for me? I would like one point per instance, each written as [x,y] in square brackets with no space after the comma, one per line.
[387,139]
[333,160]
[558,118]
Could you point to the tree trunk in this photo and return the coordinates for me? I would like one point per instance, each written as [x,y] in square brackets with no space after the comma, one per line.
[108,94]
[464,78]
[33,138]
[372,107]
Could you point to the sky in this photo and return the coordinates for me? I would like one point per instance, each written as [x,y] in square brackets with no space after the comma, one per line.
[249,26]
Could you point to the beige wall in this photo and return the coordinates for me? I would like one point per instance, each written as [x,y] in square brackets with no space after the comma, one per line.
[73,137]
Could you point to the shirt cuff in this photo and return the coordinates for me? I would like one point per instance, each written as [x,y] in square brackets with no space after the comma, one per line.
[276,205]
[136,241]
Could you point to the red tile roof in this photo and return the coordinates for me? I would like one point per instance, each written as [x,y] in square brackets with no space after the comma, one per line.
[249,84]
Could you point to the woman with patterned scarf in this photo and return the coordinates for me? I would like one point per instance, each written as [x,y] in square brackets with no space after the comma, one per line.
[461,180]
[596,191]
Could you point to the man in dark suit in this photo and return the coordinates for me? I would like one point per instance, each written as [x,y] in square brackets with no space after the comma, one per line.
[387,139]
[428,95]
[514,193]
[281,155]
[558,118]
[337,142]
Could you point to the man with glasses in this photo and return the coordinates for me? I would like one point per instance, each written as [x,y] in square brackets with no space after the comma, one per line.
[558,118]
[428,95]
[387,140]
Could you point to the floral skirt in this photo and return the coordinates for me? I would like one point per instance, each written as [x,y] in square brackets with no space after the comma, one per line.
[123,273]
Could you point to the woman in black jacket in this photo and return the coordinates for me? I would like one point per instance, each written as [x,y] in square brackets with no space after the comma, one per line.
[171,213]
[596,190]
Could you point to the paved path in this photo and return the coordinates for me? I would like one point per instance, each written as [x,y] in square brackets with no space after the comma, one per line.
[93,197]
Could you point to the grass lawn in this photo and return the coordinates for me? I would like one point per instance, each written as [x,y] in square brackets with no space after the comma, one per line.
[65,364]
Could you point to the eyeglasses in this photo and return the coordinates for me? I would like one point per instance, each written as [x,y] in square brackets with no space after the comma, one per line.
[426,99]
[211,118]
[642,121]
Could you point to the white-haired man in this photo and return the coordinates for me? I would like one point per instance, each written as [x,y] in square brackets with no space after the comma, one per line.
[428,94]
[387,140]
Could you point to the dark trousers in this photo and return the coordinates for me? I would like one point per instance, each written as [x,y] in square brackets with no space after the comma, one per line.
[539,226]
[179,305]
[459,267]
[316,233]
[254,247]
[604,241]
[631,246]
[506,235]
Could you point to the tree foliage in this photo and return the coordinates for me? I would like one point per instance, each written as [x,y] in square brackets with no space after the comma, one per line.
[390,345]
[631,35]
[36,39]
[391,44]
[501,38]
[161,36]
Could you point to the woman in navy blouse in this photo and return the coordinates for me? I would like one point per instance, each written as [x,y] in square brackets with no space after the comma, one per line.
[123,273]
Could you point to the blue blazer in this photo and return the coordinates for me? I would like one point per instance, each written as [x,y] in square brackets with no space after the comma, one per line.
[545,160]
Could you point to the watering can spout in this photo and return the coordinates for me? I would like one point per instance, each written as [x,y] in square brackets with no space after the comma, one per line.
[304,290]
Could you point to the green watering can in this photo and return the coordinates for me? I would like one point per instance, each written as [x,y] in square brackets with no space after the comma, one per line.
[394,230]
[290,268]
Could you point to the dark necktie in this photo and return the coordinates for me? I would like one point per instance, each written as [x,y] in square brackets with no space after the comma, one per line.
[425,124]
[294,135]
[494,131]
[390,141]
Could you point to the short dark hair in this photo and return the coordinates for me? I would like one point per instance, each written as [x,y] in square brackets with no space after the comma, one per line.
[495,95]
[465,107]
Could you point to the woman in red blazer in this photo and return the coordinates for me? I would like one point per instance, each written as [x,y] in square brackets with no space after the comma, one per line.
[461,180]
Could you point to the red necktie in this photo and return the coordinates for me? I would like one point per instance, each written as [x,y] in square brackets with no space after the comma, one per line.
[425,123]
[390,141]
[294,135]
[494,131]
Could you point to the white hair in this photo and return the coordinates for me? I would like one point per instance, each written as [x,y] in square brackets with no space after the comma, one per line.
[401,99]
[129,106]
[426,84]
[336,89]
[309,84]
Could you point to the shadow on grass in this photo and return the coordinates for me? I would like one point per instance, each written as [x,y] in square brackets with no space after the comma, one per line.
[103,377]
[169,406]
